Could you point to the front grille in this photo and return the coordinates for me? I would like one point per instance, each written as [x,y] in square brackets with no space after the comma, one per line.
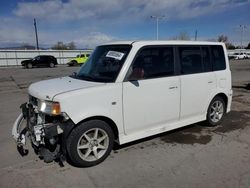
[33,100]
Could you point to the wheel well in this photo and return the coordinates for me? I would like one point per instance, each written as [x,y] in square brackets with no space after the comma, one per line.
[224,97]
[109,121]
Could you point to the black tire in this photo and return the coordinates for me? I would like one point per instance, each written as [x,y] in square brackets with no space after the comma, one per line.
[73,63]
[52,65]
[77,156]
[217,118]
[29,66]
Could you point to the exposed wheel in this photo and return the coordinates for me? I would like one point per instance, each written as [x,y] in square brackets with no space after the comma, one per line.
[72,63]
[29,66]
[216,111]
[52,65]
[90,143]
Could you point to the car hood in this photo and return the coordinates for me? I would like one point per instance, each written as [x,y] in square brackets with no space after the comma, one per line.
[48,89]
[27,60]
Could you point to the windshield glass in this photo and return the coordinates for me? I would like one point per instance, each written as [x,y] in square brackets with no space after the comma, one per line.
[104,64]
[36,58]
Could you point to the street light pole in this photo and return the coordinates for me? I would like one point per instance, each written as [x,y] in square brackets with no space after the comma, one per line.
[37,46]
[157,24]
[242,33]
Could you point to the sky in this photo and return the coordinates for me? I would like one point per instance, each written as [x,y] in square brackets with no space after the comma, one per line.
[92,22]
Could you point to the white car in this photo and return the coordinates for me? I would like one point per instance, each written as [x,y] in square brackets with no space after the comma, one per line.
[240,55]
[248,55]
[126,91]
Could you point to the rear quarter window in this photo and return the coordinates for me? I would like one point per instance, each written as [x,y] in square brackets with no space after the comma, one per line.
[218,58]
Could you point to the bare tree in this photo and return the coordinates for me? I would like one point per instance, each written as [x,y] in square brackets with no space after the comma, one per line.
[223,38]
[248,46]
[71,46]
[61,46]
[182,36]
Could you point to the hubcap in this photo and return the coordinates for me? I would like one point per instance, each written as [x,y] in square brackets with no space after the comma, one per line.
[216,111]
[93,144]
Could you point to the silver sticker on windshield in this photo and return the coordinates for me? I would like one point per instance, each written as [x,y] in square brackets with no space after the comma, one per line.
[115,55]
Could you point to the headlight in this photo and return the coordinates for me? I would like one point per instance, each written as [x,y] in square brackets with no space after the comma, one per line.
[48,107]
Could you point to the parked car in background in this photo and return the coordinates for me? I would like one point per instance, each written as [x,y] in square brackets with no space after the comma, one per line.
[248,55]
[231,56]
[40,61]
[240,55]
[79,59]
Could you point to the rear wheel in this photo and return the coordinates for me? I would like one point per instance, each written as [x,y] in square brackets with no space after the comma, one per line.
[52,65]
[29,66]
[90,143]
[216,111]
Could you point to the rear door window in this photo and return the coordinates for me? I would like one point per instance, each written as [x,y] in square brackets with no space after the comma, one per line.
[190,59]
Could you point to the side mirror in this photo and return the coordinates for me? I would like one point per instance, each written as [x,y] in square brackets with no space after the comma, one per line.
[134,82]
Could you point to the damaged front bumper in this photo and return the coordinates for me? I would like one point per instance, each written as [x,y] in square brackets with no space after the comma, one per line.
[16,134]
[47,134]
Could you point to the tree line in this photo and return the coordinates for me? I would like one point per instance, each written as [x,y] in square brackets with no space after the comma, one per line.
[61,46]
[221,38]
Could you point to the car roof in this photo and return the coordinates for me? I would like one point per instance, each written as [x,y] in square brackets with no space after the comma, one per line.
[45,56]
[163,42]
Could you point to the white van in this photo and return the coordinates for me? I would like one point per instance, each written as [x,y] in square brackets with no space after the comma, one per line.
[124,92]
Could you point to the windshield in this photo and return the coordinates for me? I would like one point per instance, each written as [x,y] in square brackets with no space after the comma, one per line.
[36,58]
[104,64]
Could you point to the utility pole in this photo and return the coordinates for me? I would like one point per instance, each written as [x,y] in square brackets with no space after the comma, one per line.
[195,36]
[37,46]
[243,27]
[157,24]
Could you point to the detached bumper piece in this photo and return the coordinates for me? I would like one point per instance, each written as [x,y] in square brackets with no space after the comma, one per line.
[46,134]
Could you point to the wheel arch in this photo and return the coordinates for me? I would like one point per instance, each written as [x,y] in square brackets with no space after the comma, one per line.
[107,120]
[223,96]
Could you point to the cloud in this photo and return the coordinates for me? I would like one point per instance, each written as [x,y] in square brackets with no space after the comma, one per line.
[15,32]
[93,39]
[88,22]
[129,10]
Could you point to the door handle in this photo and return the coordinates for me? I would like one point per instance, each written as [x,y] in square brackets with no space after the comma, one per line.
[173,87]
[210,82]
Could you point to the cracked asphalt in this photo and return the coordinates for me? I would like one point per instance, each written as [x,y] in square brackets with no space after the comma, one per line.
[193,156]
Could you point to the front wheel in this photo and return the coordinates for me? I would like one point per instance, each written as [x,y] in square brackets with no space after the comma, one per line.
[90,143]
[29,66]
[216,111]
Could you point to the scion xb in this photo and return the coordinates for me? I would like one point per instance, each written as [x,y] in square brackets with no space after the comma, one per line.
[124,92]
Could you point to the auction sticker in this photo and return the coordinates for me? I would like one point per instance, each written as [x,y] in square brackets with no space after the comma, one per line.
[115,55]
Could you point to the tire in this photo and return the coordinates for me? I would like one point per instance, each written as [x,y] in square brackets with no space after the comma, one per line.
[52,65]
[72,63]
[29,66]
[90,143]
[216,111]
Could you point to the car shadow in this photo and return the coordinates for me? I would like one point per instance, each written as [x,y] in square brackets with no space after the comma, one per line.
[196,133]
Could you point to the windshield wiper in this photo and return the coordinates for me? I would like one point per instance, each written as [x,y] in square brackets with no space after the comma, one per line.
[73,75]
[86,77]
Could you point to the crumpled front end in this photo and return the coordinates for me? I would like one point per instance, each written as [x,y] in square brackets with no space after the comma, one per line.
[46,133]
